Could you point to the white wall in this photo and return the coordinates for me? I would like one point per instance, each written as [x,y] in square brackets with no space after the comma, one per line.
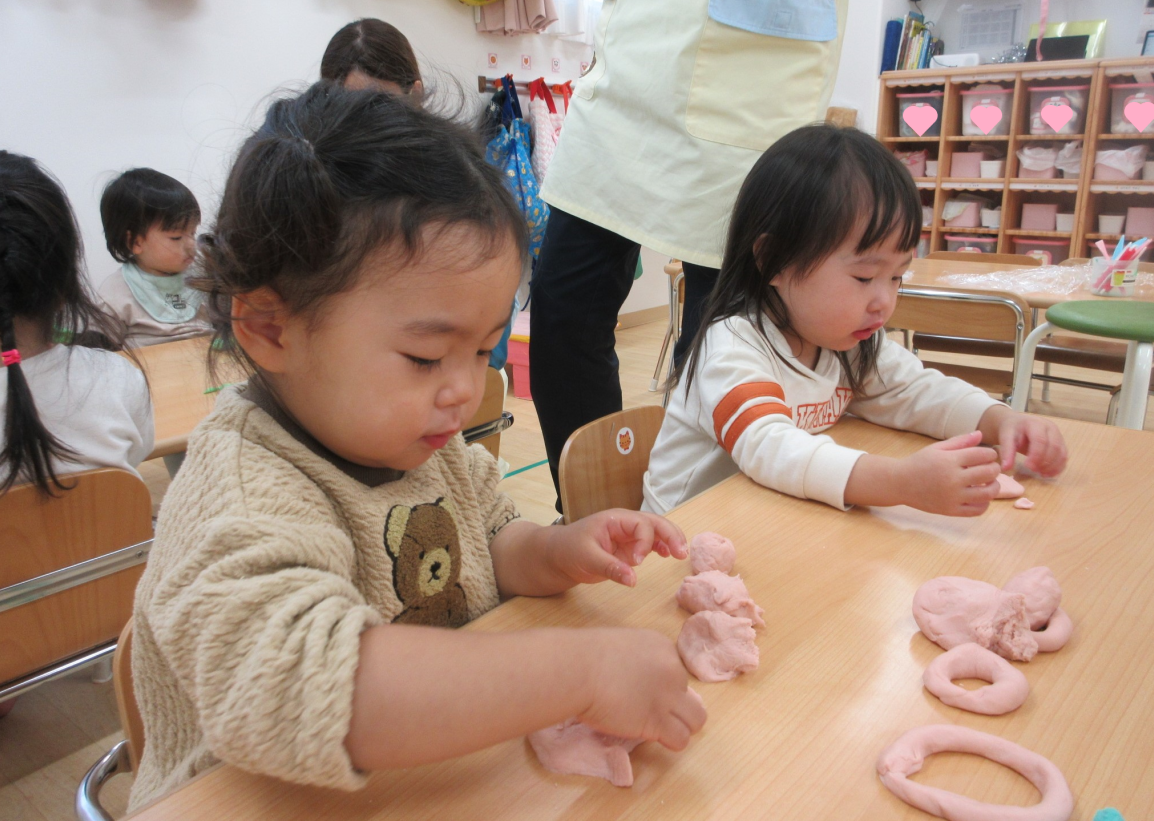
[861,58]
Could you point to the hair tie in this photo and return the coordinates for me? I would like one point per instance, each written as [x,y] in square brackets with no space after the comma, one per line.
[9,358]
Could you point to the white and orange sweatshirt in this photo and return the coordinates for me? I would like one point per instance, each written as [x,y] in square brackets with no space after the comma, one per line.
[748,410]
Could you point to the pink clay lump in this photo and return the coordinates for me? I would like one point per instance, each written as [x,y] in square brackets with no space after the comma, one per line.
[714,590]
[711,551]
[716,646]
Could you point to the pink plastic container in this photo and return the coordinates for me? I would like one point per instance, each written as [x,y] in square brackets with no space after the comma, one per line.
[518,358]
[1049,251]
[1139,222]
[971,217]
[973,245]
[1057,109]
[967,164]
[1038,216]
[1109,172]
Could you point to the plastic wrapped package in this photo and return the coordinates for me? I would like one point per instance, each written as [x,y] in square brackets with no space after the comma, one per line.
[1038,162]
[1120,164]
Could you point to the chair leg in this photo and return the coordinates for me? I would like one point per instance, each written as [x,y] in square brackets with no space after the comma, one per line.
[1112,409]
[102,671]
[675,326]
[1020,401]
[1045,384]
[670,330]
[1135,385]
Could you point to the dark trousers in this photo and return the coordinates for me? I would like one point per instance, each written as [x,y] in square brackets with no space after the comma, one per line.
[582,278]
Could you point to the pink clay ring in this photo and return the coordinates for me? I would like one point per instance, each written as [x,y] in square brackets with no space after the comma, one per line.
[1007,690]
[905,756]
[1057,633]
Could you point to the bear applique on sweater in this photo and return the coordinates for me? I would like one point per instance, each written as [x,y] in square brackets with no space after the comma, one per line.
[422,542]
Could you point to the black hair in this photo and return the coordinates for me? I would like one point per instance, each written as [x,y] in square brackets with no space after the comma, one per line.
[804,197]
[139,199]
[331,176]
[375,48]
[41,264]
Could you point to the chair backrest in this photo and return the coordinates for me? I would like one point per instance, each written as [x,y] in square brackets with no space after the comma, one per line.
[997,315]
[603,462]
[973,256]
[40,624]
[130,721]
[492,403]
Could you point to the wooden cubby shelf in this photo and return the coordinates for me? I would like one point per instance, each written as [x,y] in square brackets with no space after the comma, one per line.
[1082,196]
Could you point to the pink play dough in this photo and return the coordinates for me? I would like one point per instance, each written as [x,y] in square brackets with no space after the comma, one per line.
[953,610]
[1041,592]
[1023,504]
[716,646]
[1007,690]
[1055,636]
[905,756]
[1009,487]
[573,748]
[711,551]
[713,590]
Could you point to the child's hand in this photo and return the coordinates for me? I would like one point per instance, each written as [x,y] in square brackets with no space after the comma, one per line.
[955,477]
[640,689]
[609,544]
[1035,436]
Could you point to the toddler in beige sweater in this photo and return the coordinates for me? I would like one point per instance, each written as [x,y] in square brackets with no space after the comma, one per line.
[329,523]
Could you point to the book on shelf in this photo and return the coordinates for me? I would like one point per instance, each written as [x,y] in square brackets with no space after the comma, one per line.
[914,46]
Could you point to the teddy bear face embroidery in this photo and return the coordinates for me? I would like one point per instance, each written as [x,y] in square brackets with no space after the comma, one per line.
[422,542]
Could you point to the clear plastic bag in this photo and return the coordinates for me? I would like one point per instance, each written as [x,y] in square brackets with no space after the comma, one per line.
[1128,161]
[1048,279]
[1038,157]
[1069,159]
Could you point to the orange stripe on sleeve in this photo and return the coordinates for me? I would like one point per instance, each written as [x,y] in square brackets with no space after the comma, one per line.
[747,418]
[738,397]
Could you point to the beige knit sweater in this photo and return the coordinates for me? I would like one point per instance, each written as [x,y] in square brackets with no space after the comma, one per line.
[271,556]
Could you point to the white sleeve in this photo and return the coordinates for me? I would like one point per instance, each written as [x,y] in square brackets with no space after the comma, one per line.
[905,395]
[139,405]
[744,408]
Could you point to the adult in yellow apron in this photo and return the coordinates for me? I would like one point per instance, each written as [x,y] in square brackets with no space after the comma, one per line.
[682,98]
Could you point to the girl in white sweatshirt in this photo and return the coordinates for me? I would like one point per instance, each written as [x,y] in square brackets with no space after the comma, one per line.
[793,337]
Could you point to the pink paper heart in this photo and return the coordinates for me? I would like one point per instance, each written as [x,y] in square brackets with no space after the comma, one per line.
[1140,114]
[1056,115]
[985,117]
[920,117]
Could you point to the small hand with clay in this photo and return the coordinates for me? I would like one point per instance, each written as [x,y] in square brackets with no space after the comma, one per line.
[956,477]
[641,690]
[609,544]
[1035,436]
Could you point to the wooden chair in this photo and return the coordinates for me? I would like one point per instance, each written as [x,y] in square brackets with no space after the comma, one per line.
[603,463]
[973,256]
[68,574]
[676,274]
[491,418]
[125,755]
[986,315]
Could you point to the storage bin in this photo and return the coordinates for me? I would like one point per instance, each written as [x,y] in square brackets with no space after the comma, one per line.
[1039,162]
[914,162]
[1037,216]
[518,360]
[993,169]
[1131,108]
[967,164]
[1063,222]
[920,114]
[986,111]
[1139,222]
[1120,163]
[991,218]
[974,245]
[1058,109]
[1049,251]
[1111,223]
[931,168]
[1148,171]
[970,217]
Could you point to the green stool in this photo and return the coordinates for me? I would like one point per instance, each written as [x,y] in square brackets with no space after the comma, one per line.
[1130,320]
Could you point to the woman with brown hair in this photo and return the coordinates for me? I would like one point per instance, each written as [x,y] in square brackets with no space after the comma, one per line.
[373,54]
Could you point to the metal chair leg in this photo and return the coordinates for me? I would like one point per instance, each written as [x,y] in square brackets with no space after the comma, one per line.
[1045,384]
[1135,385]
[1020,401]
[670,330]
[675,326]
[102,671]
[87,802]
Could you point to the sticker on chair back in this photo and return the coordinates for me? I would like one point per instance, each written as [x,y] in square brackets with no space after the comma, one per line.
[625,441]
[793,19]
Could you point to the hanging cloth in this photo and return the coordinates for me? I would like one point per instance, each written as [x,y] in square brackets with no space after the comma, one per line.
[510,151]
[512,17]
[546,124]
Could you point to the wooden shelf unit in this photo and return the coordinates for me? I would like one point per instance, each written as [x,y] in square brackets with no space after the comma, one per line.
[1083,196]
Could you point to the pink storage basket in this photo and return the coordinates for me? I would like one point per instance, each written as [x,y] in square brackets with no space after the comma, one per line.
[972,245]
[971,217]
[1038,216]
[967,164]
[1139,222]
[1049,251]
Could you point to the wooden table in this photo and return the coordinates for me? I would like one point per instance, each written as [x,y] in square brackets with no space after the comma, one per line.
[932,273]
[841,665]
[182,391]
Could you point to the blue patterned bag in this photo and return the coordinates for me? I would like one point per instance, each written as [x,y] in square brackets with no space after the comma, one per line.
[510,151]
